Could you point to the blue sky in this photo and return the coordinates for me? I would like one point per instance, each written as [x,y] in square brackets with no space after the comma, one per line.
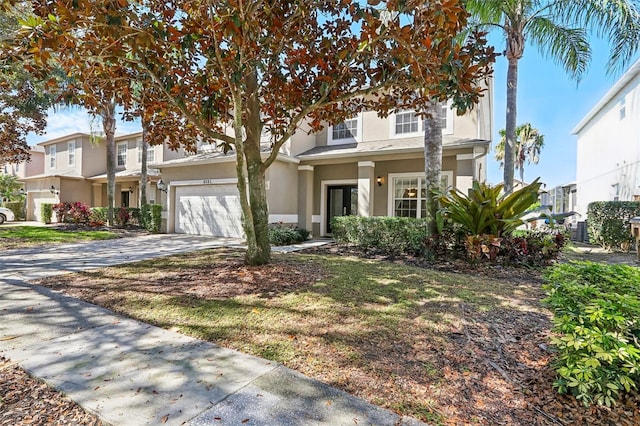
[547,98]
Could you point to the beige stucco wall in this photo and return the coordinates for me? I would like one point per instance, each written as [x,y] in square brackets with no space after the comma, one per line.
[196,172]
[75,190]
[282,194]
[94,157]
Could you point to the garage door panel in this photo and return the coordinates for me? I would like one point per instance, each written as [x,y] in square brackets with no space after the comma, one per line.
[209,210]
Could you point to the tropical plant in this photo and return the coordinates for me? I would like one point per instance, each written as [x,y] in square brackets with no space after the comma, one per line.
[487,210]
[9,187]
[559,29]
[233,69]
[529,144]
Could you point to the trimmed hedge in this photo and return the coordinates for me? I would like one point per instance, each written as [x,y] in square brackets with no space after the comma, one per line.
[151,217]
[46,212]
[17,207]
[597,318]
[391,235]
[608,222]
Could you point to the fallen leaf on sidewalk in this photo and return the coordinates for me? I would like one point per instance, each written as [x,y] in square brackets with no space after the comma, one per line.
[2,339]
[164,418]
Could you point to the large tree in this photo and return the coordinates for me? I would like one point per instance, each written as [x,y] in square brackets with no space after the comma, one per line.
[529,144]
[232,68]
[560,30]
[23,98]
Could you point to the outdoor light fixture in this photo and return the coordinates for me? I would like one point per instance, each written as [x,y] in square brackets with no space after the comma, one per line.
[130,190]
[379,180]
[161,186]
[54,191]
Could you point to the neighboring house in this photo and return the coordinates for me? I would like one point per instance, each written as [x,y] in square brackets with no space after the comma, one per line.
[608,147]
[75,170]
[369,166]
[26,168]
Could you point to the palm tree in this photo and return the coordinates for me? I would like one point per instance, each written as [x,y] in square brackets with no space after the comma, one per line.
[529,144]
[559,29]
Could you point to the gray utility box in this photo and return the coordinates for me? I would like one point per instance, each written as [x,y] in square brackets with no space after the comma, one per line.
[635,230]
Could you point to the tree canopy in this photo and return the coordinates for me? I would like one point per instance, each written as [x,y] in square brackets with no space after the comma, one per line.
[225,71]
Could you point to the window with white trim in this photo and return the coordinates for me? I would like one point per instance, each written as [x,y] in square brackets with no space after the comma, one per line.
[407,122]
[121,154]
[71,153]
[409,194]
[52,156]
[447,115]
[151,152]
[349,131]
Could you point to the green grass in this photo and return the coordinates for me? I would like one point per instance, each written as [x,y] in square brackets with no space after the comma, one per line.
[353,318]
[26,236]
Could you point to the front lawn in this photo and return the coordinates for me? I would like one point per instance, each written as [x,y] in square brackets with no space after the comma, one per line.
[448,347]
[13,237]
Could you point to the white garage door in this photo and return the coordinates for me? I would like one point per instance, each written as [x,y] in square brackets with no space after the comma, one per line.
[37,200]
[209,210]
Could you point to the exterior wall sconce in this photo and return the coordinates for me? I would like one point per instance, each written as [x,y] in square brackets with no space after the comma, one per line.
[161,186]
[54,191]
[379,180]
[131,190]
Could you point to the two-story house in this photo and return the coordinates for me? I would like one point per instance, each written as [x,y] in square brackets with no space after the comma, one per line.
[608,147]
[75,170]
[26,168]
[368,165]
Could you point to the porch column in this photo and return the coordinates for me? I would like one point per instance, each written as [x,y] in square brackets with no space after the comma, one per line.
[96,189]
[464,172]
[305,197]
[366,177]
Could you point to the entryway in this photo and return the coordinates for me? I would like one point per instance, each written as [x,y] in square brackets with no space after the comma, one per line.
[342,200]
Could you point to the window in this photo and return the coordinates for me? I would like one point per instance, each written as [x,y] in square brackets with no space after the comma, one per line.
[52,156]
[447,114]
[409,193]
[407,122]
[121,154]
[151,152]
[71,153]
[623,108]
[349,131]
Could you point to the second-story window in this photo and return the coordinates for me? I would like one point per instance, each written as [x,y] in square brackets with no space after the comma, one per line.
[52,156]
[151,152]
[407,122]
[71,153]
[121,150]
[349,131]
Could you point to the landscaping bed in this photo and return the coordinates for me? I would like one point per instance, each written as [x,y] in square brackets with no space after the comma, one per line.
[463,344]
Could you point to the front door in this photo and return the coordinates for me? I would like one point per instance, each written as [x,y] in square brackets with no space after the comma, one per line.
[124,197]
[343,201]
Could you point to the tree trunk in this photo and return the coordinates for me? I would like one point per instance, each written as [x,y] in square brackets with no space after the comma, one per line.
[433,163]
[143,166]
[109,128]
[510,126]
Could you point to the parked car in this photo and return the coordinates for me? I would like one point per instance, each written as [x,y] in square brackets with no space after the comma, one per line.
[6,215]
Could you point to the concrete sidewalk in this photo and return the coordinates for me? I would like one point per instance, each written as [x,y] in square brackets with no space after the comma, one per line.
[132,373]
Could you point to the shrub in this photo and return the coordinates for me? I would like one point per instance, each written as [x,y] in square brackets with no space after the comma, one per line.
[608,222]
[597,317]
[72,212]
[98,215]
[390,235]
[46,212]
[282,235]
[17,207]
[151,217]
[486,211]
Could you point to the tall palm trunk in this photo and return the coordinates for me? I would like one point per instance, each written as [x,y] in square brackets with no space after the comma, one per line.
[433,163]
[143,166]
[510,126]
[109,128]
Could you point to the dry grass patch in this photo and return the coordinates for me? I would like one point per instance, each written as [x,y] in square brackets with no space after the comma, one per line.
[444,347]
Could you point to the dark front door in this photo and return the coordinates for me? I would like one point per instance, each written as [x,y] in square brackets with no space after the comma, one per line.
[342,201]
[124,197]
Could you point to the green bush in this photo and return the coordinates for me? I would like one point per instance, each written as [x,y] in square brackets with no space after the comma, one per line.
[151,217]
[98,215]
[390,235]
[282,235]
[17,207]
[608,222]
[46,212]
[597,319]
[487,211]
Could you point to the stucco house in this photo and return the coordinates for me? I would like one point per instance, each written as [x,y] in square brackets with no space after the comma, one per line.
[368,165]
[608,147]
[75,170]
[26,168]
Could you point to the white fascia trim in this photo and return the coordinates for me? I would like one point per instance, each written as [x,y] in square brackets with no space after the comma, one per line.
[226,159]
[460,157]
[227,181]
[284,218]
[305,168]
[366,164]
